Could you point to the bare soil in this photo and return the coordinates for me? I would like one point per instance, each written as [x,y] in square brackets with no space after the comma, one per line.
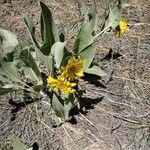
[117,115]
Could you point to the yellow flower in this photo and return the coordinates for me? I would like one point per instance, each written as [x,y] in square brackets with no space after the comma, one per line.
[73,69]
[121,28]
[60,84]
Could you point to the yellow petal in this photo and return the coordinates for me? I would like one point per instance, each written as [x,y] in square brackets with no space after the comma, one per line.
[121,28]
[73,84]
[50,79]
[123,25]
[56,89]
[80,74]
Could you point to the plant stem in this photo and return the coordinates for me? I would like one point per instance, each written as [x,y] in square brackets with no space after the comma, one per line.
[101,32]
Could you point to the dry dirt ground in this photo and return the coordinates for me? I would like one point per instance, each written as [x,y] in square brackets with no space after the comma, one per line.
[117,116]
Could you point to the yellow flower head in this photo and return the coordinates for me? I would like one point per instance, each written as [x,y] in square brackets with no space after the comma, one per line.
[60,84]
[121,28]
[73,69]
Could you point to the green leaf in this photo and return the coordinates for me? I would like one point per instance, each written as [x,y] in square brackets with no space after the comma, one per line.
[57,106]
[38,88]
[85,38]
[9,70]
[30,69]
[68,104]
[31,148]
[113,17]
[14,55]
[95,70]
[4,78]
[88,13]
[83,9]
[5,90]
[11,86]
[8,41]
[86,33]
[8,88]
[58,50]
[48,30]
[22,45]
[17,144]
[48,61]
[29,73]
[8,82]
[42,27]
[92,15]
[31,29]
[88,55]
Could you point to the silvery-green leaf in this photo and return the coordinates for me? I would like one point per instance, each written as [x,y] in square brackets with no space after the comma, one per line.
[86,33]
[83,9]
[68,104]
[48,61]
[29,73]
[95,70]
[88,13]
[8,69]
[92,15]
[13,86]
[22,45]
[31,148]
[31,29]
[85,38]
[31,69]
[8,40]
[88,55]
[58,50]
[113,17]
[18,145]
[57,106]
[48,30]
[9,87]
[5,90]
[38,88]
[14,55]
[4,79]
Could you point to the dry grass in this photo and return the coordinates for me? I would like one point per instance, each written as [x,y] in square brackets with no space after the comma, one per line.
[121,121]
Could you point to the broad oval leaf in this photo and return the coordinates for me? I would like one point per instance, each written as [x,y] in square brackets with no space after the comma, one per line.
[58,106]
[18,145]
[48,61]
[8,40]
[9,88]
[4,79]
[58,50]
[29,73]
[88,13]
[85,38]
[86,33]
[48,30]
[113,17]
[9,70]
[30,69]
[95,70]
[88,55]
[83,9]
[5,90]
[31,28]
[68,104]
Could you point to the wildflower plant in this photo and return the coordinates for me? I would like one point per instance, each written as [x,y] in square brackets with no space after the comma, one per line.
[19,65]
